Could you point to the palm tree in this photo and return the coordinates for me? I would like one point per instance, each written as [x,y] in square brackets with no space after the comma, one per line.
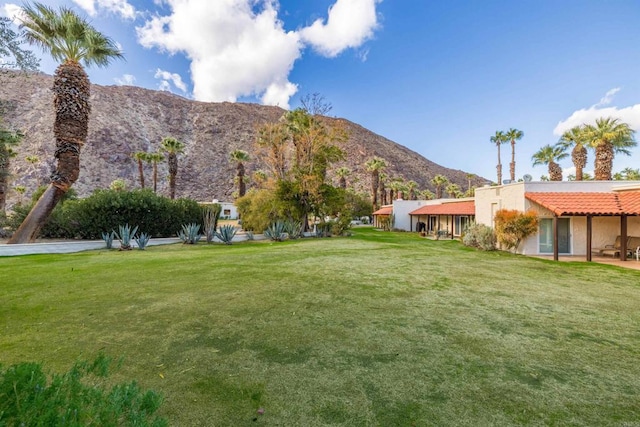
[627,174]
[375,166]
[240,156]
[439,181]
[576,138]
[172,147]
[382,188]
[8,141]
[550,155]
[499,138]
[154,158]
[453,190]
[607,137]
[70,40]
[141,156]
[513,135]
[342,174]
[427,195]
[412,188]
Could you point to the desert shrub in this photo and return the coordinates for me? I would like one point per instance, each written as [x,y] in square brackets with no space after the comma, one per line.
[276,231]
[479,236]
[190,233]
[210,215]
[226,233]
[80,397]
[513,226]
[259,209]
[105,210]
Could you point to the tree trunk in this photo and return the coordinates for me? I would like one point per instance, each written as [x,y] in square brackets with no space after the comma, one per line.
[512,165]
[172,160]
[71,90]
[604,161]
[141,173]
[242,187]
[374,190]
[4,177]
[155,176]
[579,158]
[32,224]
[555,172]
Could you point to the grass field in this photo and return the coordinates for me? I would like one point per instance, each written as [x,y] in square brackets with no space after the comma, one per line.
[379,329]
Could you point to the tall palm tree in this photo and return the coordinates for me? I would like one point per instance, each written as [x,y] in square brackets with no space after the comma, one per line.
[453,190]
[240,157]
[342,173]
[70,40]
[439,181]
[576,138]
[154,158]
[172,147]
[8,141]
[382,188]
[141,156]
[498,139]
[608,137]
[513,135]
[412,189]
[375,166]
[549,155]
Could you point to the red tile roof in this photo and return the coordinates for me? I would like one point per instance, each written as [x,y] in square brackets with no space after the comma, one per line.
[611,203]
[452,208]
[386,210]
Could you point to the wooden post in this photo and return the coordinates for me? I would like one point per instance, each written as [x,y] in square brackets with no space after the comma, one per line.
[555,237]
[623,237]
[589,231]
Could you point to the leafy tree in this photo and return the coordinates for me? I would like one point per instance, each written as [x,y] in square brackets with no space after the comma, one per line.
[240,157]
[70,40]
[513,135]
[498,139]
[8,141]
[576,138]
[513,226]
[11,51]
[172,147]
[374,167]
[608,137]
[141,156]
[550,155]
[273,143]
[439,181]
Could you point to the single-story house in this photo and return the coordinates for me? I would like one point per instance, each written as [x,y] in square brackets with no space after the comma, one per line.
[382,215]
[575,217]
[227,209]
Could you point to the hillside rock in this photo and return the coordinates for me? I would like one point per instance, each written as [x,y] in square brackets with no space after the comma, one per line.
[127,119]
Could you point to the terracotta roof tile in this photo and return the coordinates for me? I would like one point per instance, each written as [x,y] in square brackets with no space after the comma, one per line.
[610,203]
[385,210]
[451,208]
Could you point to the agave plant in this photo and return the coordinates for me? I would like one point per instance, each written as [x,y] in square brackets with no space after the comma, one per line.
[142,241]
[249,235]
[226,233]
[293,228]
[190,233]
[210,217]
[126,235]
[276,231]
[108,238]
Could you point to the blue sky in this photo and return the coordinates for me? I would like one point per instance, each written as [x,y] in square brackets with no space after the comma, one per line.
[439,77]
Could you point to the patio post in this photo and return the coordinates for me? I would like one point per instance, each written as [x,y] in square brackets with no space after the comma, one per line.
[589,237]
[623,237]
[555,238]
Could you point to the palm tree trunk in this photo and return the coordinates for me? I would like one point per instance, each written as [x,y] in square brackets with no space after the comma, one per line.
[172,160]
[555,172]
[603,162]
[155,176]
[141,173]
[4,176]
[499,167]
[374,189]
[579,158]
[71,88]
[242,186]
[512,165]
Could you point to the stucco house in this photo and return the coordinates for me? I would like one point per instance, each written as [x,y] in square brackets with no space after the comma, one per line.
[575,216]
[447,216]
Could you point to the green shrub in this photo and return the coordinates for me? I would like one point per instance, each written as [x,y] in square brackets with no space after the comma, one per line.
[80,397]
[479,236]
[104,210]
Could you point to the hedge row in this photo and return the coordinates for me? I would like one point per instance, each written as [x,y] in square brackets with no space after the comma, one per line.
[105,210]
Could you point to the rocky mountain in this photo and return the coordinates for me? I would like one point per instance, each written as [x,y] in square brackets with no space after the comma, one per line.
[128,119]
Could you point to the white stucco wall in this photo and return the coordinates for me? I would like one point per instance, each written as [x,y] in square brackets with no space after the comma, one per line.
[511,196]
[401,210]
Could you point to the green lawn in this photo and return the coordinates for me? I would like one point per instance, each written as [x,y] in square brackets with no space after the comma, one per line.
[379,329]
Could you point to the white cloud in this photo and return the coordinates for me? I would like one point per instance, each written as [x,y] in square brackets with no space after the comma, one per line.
[629,115]
[121,7]
[240,48]
[234,51]
[125,80]
[350,24]
[11,11]
[167,79]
